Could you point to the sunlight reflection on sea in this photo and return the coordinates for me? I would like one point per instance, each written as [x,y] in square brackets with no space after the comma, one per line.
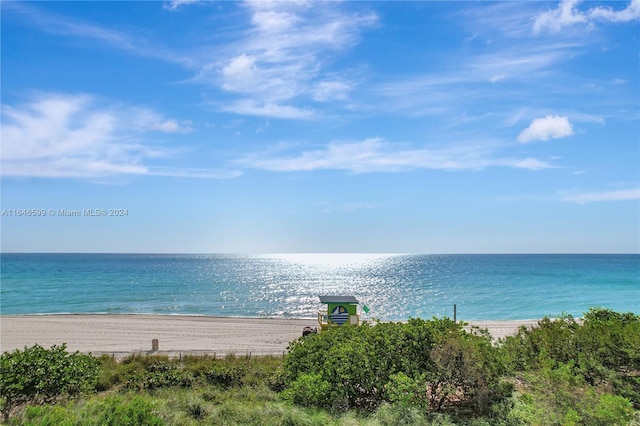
[393,286]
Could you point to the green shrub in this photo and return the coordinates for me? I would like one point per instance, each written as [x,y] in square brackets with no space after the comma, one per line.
[556,338]
[604,349]
[465,368]
[404,391]
[276,381]
[365,366]
[225,374]
[557,395]
[158,374]
[36,375]
[310,390]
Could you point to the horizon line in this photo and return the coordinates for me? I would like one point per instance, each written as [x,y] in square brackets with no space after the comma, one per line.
[322,253]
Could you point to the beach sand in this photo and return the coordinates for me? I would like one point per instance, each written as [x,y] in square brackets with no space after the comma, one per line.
[121,335]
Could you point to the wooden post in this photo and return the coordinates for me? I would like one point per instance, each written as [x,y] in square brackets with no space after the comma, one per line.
[154,345]
[454,312]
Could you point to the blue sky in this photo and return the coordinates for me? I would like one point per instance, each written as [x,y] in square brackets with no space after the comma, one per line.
[310,126]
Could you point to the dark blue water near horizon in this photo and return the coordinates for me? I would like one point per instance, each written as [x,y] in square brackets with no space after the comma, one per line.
[393,286]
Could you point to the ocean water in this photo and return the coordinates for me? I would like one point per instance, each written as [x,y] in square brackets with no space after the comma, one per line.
[394,287]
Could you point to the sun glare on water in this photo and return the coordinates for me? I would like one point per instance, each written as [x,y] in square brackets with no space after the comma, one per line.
[332,259]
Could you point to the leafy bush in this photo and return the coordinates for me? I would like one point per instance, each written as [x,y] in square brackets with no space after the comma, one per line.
[429,363]
[276,381]
[604,349]
[556,395]
[310,390]
[404,391]
[37,375]
[565,371]
[158,374]
[465,368]
[226,374]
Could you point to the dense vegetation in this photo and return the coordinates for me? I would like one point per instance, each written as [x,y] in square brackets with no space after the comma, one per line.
[38,376]
[563,372]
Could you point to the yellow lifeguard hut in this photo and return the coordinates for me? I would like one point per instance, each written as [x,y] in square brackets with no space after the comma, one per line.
[340,310]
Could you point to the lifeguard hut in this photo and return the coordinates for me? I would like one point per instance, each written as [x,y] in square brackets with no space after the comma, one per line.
[340,310]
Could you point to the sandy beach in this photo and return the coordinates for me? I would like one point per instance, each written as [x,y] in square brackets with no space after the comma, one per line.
[120,335]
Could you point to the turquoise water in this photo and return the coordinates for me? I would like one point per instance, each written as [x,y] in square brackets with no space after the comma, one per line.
[394,287]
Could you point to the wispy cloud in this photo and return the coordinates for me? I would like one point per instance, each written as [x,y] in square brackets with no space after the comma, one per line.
[58,135]
[568,14]
[549,127]
[488,21]
[177,4]
[522,61]
[376,155]
[501,68]
[272,110]
[618,195]
[473,79]
[193,173]
[71,27]
[65,26]
[279,59]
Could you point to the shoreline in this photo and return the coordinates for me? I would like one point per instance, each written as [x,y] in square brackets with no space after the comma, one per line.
[120,335]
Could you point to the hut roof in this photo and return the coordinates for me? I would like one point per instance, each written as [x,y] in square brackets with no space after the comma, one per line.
[339,299]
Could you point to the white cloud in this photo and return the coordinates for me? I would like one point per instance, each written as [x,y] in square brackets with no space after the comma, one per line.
[240,74]
[331,89]
[551,126]
[630,13]
[568,14]
[171,126]
[79,136]
[270,109]
[279,60]
[376,155]
[554,20]
[271,20]
[589,197]
[531,164]
[144,119]
[176,4]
